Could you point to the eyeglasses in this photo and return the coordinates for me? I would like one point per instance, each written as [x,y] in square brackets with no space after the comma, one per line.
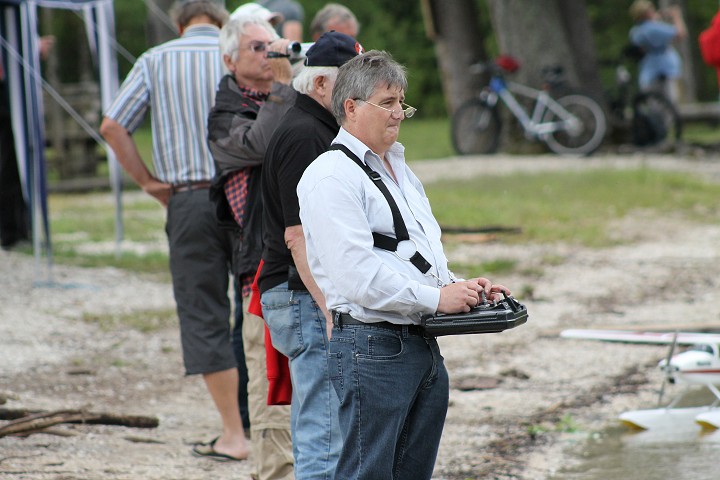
[407,111]
[258,47]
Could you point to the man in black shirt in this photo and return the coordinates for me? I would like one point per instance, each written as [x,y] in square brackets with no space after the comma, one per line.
[293,307]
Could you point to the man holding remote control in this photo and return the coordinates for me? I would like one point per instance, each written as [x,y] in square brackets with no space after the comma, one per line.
[374,249]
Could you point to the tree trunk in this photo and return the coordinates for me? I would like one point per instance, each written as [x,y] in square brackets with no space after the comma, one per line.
[576,23]
[453,25]
[540,34]
[533,32]
[688,90]
[53,111]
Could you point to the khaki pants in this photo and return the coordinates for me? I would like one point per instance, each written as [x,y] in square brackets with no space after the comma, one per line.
[269,424]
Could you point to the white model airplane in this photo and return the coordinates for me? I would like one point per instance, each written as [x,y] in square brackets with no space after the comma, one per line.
[699,365]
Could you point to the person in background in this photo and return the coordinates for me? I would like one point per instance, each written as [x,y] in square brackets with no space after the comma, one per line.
[253,9]
[273,18]
[251,99]
[334,16]
[293,306]
[388,373]
[660,66]
[709,42]
[14,216]
[14,219]
[185,72]
[291,27]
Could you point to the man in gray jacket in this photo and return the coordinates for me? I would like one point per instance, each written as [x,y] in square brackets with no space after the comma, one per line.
[249,104]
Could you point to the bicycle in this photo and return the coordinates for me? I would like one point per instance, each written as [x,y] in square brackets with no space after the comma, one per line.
[649,116]
[569,124]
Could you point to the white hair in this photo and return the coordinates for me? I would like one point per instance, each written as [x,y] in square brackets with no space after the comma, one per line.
[232,31]
[304,81]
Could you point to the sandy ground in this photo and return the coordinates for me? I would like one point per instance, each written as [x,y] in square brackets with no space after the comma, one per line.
[511,392]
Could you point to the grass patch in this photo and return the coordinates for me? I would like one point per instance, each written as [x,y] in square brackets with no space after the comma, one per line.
[145,321]
[154,263]
[83,232]
[426,138]
[468,270]
[701,133]
[573,207]
[570,207]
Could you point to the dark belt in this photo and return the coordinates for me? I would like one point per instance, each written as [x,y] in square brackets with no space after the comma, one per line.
[190,186]
[340,319]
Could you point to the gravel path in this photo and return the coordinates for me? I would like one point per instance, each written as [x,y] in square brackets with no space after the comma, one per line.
[52,357]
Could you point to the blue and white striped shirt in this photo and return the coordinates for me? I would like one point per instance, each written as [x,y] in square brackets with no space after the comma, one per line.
[177,81]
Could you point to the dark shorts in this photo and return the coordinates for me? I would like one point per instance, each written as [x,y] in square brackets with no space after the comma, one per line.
[200,254]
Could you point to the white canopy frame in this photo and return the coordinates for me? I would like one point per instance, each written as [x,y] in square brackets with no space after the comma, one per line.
[20,50]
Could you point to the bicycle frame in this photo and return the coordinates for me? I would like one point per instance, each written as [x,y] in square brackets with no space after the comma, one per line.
[533,125]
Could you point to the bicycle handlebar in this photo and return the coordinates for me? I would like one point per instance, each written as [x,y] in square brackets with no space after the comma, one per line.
[499,66]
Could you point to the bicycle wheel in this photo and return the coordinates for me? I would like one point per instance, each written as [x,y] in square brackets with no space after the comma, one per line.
[475,128]
[655,119]
[586,136]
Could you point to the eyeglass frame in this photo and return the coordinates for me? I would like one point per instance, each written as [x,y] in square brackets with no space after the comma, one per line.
[407,112]
[257,46]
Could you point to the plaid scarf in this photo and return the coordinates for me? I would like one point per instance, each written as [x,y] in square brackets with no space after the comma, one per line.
[236,185]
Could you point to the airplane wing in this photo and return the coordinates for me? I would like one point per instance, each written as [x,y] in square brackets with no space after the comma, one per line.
[683,338]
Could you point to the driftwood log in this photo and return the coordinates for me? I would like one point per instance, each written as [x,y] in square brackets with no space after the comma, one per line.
[451,229]
[24,421]
[476,234]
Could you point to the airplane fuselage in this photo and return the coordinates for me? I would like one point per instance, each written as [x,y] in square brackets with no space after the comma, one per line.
[698,366]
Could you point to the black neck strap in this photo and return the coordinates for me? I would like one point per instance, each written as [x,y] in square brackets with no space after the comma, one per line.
[381,241]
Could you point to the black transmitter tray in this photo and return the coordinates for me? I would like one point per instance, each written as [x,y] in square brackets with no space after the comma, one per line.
[488,317]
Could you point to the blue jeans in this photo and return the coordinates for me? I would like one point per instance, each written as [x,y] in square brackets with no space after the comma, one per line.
[297,328]
[394,391]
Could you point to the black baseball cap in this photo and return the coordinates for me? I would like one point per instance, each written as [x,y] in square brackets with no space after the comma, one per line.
[332,49]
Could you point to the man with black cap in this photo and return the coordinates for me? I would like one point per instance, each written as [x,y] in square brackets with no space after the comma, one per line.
[293,307]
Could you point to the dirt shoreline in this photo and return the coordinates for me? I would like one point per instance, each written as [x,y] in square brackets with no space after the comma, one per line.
[51,358]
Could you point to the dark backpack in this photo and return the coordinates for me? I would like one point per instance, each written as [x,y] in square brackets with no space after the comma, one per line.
[648,127]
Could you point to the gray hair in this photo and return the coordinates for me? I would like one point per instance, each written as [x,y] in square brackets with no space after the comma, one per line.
[304,81]
[235,28]
[183,12]
[331,11]
[360,76]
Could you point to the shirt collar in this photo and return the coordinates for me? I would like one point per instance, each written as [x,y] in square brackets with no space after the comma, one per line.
[202,29]
[395,152]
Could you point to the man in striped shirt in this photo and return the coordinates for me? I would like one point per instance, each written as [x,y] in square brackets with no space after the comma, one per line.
[177,82]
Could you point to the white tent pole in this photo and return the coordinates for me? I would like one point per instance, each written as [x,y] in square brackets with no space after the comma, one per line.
[109,85]
[35,133]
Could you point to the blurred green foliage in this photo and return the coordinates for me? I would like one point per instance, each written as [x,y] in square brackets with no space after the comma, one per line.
[398,28]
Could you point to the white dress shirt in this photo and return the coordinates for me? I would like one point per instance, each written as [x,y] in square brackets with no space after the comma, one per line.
[340,208]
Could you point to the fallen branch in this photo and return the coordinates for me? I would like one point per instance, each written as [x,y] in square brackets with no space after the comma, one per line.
[27,421]
[486,229]
[470,237]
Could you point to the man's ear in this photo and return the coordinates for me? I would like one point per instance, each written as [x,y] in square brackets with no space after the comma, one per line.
[319,84]
[227,60]
[350,107]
